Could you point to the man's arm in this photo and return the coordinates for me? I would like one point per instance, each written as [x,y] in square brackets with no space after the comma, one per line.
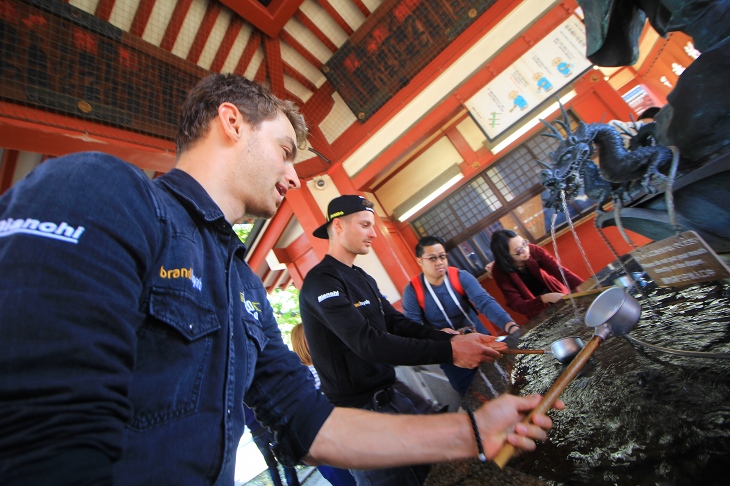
[485,303]
[396,440]
[69,300]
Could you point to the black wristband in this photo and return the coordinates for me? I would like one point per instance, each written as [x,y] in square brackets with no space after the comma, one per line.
[510,326]
[475,427]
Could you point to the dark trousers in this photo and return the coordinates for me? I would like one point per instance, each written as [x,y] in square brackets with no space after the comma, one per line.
[263,439]
[396,400]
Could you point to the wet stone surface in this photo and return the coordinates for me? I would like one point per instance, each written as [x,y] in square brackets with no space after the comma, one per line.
[634,416]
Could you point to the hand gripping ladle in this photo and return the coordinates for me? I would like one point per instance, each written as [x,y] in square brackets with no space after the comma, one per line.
[613,313]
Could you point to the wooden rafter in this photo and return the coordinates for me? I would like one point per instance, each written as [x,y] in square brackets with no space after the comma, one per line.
[301,79]
[206,26]
[234,28]
[176,21]
[300,49]
[274,66]
[7,169]
[312,27]
[141,17]
[248,52]
[104,9]
[327,6]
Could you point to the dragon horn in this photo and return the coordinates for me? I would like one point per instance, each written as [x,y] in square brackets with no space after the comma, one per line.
[556,132]
[566,127]
[544,164]
[567,120]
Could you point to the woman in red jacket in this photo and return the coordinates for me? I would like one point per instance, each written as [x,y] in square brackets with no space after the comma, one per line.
[528,276]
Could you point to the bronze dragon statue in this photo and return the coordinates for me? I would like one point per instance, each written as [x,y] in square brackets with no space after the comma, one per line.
[623,172]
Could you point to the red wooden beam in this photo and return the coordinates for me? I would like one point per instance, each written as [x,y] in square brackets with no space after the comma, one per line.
[226,44]
[271,236]
[260,75]
[315,30]
[206,26]
[301,50]
[20,127]
[361,7]
[269,20]
[175,24]
[274,66]
[327,6]
[301,79]
[254,41]
[141,17]
[7,169]
[104,9]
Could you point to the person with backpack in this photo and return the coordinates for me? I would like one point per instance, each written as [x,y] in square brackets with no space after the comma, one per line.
[448,299]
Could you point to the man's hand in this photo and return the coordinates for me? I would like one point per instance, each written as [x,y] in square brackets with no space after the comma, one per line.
[469,350]
[500,420]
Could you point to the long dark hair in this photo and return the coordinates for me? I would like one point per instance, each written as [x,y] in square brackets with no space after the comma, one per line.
[500,249]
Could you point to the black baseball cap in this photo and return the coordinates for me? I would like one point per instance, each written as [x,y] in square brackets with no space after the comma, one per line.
[342,206]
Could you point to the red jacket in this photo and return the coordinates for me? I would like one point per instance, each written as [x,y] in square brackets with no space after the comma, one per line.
[546,269]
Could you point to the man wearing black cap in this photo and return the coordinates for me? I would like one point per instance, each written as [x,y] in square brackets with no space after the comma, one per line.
[356,336]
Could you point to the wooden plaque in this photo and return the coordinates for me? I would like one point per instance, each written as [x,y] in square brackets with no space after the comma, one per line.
[681,260]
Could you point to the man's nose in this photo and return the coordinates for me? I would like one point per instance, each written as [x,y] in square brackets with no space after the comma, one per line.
[292,178]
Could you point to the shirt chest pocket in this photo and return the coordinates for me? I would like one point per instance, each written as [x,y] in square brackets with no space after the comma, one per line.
[174,351]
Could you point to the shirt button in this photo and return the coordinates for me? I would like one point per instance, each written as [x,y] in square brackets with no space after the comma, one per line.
[191,326]
[228,411]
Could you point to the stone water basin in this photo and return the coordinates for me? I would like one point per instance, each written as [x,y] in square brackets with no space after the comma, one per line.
[634,416]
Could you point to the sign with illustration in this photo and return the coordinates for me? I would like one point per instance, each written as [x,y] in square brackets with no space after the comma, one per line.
[542,71]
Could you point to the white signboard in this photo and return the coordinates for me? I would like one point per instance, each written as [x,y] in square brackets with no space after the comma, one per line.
[542,71]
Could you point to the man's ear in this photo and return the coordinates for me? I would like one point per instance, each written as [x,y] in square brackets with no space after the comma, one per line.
[337,225]
[231,121]
[420,262]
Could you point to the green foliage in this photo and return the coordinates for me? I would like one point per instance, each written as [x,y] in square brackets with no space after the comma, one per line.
[285,303]
[242,230]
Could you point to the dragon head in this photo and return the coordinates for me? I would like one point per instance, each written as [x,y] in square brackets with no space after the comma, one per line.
[563,172]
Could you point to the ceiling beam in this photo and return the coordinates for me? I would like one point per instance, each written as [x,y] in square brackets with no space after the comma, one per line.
[269,20]
[175,24]
[20,127]
[7,169]
[141,17]
[206,26]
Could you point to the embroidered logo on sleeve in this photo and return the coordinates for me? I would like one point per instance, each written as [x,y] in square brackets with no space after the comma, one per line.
[57,231]
[334,293]
[253,308]
[362,303]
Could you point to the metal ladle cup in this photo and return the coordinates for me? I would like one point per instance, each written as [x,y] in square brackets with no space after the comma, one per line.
[564,349]
[614,312]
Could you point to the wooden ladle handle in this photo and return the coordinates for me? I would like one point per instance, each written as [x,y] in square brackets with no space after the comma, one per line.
[570,372]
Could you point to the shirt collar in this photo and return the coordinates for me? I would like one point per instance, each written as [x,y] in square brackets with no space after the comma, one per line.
[192,195]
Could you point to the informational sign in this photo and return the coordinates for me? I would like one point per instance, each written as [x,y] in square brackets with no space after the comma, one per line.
[680,260]
[541,72]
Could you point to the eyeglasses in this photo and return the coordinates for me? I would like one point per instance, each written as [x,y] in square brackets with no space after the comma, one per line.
[521,249]
[436,258]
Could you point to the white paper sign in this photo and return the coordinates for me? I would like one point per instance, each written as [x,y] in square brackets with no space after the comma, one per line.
[541,72]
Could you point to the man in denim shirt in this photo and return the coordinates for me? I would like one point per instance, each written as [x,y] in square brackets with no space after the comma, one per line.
[132,329]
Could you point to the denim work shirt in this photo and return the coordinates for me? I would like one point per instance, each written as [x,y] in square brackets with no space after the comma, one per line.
[132,331]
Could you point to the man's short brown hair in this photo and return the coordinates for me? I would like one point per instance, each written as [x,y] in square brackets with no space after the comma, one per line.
[255,102]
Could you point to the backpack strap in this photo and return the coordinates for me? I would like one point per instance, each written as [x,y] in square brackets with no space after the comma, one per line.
[418,289]
[454,279]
